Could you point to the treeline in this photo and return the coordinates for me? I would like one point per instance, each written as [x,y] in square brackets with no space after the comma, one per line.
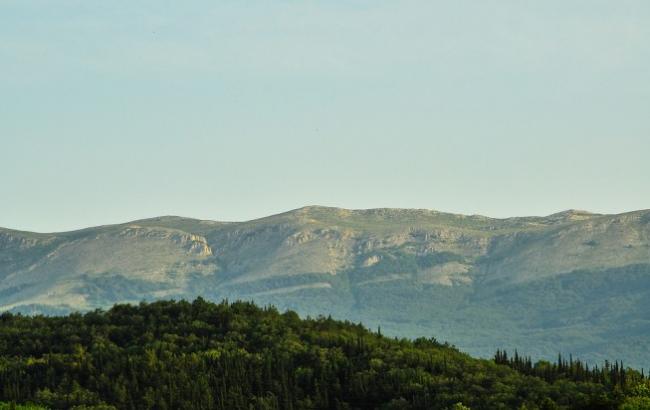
[611,375]
[201,355]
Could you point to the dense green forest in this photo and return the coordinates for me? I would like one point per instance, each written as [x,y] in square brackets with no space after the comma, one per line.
[201,355]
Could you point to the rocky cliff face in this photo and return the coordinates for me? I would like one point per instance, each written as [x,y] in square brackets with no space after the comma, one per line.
[467,279]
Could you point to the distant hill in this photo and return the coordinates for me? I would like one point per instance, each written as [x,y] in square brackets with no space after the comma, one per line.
[572,282]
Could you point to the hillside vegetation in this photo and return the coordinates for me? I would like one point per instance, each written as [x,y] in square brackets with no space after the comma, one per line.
[200,355]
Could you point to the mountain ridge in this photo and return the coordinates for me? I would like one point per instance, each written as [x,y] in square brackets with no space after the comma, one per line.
[415,272]
[307,208]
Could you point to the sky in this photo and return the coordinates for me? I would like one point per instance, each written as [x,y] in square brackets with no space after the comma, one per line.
[233,110]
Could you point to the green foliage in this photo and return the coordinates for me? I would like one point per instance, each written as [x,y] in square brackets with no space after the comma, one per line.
[201,355]
[14,406]
[639,397]
[636,403]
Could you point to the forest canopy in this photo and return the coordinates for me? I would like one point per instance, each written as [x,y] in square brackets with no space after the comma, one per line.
[201,355]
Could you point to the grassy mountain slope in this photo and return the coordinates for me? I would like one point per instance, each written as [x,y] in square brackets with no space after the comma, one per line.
[572,281]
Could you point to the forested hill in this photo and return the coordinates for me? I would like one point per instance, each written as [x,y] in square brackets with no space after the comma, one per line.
[201,355]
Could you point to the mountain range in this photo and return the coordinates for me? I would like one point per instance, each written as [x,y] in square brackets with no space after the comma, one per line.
[572,282]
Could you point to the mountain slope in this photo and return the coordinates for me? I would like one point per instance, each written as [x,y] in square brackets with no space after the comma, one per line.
[572,281]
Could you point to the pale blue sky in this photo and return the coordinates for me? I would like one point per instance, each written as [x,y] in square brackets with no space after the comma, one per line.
[230,110]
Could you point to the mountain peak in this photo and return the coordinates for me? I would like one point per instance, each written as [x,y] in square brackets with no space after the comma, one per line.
[572,215]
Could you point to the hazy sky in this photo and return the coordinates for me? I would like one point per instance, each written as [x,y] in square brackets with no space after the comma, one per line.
[229,110]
